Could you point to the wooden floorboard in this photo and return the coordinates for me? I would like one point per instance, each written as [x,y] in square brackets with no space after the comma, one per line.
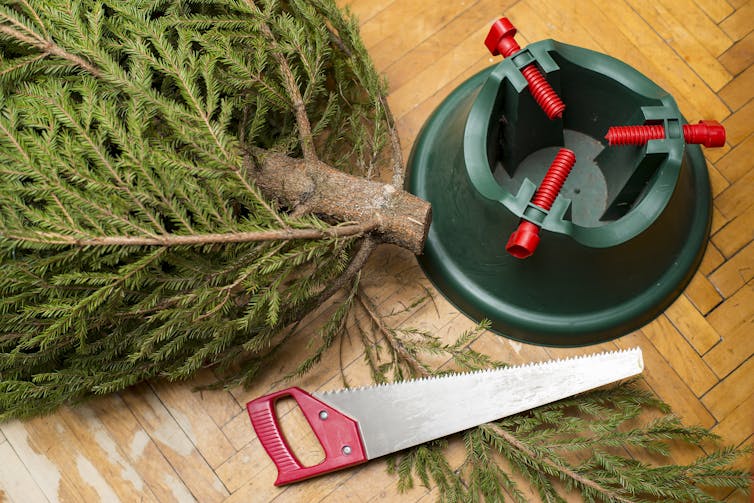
[165,442]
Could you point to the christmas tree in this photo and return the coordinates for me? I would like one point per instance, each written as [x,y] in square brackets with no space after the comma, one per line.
[175,186]
[181,181]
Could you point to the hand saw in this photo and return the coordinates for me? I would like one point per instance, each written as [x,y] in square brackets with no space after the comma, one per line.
[359,424]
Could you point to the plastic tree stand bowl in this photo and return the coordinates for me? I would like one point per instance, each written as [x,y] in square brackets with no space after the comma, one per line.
[622,239]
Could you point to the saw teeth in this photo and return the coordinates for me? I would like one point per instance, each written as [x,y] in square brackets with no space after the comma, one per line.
[542,363]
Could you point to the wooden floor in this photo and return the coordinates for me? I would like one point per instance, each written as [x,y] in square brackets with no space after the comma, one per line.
[163,442]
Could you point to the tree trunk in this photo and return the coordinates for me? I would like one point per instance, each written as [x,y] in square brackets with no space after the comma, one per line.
[401,218]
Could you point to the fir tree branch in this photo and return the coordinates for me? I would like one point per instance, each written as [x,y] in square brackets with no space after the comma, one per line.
[23,64]
[289,81]
[36,17]
[247,166]
[96,149]
[289,234]
[368,244]
[567,472]
[395,144]
[46,46]
[403,354]
[16,144]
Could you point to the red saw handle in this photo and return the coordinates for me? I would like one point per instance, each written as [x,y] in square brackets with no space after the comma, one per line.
[337,433]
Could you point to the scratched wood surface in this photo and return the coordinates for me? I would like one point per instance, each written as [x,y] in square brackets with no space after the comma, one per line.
[164,442]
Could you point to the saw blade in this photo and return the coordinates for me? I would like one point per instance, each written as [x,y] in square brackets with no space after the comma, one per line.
[394,416]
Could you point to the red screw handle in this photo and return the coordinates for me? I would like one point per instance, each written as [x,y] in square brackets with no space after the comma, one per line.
[500,41]
[525,238]
[707,133]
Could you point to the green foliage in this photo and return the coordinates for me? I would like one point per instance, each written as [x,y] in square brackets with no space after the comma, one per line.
[396,354]
[584,444]
[132,122]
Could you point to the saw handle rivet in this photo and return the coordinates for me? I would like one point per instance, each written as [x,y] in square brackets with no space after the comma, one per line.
[323,415]
[346,450]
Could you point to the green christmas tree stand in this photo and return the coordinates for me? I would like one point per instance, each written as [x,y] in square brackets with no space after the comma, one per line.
[621,241]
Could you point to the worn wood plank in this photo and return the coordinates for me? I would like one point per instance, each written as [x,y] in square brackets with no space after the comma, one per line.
[702,293]
[388,36]
[718,220]
[735,427]
[712,155]
[174,444]
[740,23]
[681,356]
[436,73]
[411,123]
[406,36]
[718,182]
[736,233]
[238,430]
[736,163]
[734,390]
[455,454]
[48,450]
[220,405]
[378,23]
[712,259]
[389,273]
[687,13]
[700,56]
[364,10]
[736,198]
[589,17]
[16,483]
[735,273]
[101,459]
[445,40]
[738,125]
[137,446]
[735,319]
[740,56]
[692,325]
[717,10]
[651,45]
[188,409]
[558,24]
[666,382]
[739,90]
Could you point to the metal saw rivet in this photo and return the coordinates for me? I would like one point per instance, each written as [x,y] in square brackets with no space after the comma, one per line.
[323,415]
[346,450]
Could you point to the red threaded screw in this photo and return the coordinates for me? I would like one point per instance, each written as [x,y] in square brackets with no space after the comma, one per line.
[525,239]
[500,41]
[708,133]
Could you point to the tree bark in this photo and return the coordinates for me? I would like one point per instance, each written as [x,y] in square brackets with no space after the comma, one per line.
[402,218]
